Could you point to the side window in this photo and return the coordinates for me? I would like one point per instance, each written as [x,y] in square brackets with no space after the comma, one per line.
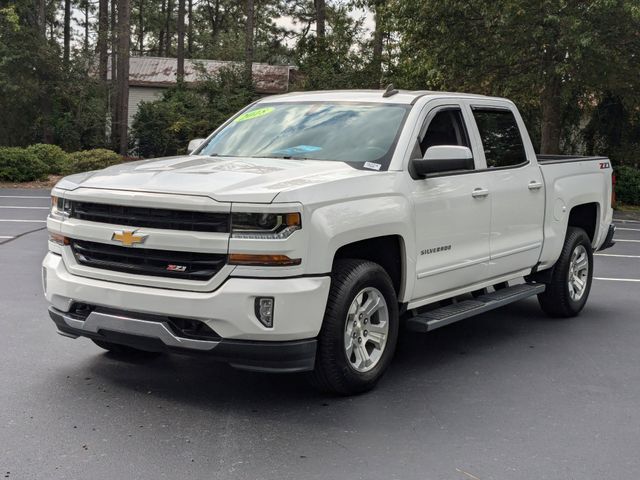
[501,139]
[446,128]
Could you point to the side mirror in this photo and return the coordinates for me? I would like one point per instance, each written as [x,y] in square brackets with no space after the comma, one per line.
[445,158]
[195,143]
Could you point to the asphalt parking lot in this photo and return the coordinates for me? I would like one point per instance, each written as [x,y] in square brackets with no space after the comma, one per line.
[510,394]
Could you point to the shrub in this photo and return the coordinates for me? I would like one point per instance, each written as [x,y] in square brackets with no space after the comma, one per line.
[628,185]
[95,159]
[51,155]
[20,165]
[165,126]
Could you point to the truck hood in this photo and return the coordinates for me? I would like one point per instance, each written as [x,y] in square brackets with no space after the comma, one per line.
[225,179]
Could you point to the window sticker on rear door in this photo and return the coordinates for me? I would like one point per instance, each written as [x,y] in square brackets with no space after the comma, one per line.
[260,112]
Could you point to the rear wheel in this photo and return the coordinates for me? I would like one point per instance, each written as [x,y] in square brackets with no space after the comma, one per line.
[124,350]
[570,284]
[360,329]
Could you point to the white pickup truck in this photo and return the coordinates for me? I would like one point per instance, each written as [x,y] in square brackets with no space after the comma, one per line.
[307,228]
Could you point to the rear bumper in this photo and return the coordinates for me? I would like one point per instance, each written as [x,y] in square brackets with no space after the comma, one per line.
[127,328]
[608,241]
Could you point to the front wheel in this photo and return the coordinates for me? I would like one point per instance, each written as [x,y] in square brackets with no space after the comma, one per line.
[360,329]
[570,284]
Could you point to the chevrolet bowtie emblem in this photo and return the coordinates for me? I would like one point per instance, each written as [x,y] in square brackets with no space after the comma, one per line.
[128,238]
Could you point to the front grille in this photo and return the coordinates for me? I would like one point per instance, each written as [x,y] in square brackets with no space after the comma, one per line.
[150,217]
[144,261]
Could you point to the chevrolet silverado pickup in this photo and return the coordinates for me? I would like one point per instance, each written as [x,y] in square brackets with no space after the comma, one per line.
[302,232]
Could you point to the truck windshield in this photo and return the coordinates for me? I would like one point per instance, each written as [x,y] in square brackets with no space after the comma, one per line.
[362,134]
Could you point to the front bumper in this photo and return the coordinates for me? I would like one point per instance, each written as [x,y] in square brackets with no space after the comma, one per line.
[229,312]
[156,336]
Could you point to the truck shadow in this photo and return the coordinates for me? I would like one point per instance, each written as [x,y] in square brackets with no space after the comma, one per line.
[422,362]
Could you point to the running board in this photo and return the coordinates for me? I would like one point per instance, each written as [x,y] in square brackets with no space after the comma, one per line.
[427,321]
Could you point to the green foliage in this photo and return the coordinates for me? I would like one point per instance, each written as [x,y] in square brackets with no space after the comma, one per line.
[340,61]
[95,159]
[628,185]
[51,155]
[565,52]
[164,127]
[20,165]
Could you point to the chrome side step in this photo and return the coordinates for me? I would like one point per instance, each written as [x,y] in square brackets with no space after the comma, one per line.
[427,321]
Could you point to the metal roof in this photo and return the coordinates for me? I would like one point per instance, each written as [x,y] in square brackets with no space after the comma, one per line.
[161,72]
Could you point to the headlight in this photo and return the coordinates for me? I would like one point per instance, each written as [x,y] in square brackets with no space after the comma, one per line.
[264,226]
[60,208]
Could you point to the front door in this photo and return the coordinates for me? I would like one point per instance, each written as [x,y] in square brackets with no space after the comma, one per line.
[452,213]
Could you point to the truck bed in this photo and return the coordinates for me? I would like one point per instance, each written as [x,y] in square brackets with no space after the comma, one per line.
[547,159]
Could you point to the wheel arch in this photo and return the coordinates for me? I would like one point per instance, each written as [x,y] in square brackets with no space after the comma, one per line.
[388,251]
[585,216]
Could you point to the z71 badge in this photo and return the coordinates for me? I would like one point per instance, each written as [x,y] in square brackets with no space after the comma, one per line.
[177,268]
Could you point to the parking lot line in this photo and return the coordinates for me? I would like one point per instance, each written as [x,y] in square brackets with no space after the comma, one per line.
[5,236]
[628,229]
[629,241]
[47,208]
[625,221]
[22,221]
[615,255]
[25,196]
[617,279]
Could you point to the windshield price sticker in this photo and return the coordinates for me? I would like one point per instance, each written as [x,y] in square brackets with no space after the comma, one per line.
[260,112]
[372,166]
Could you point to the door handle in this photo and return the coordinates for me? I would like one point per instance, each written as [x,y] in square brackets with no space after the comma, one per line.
[533,185]
[479,192]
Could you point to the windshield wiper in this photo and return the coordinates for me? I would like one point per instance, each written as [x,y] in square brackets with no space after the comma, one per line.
[285,157]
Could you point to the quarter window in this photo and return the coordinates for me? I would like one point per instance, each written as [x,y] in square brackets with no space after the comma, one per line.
[501,139]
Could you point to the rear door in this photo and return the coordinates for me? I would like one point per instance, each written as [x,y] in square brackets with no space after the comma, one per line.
[516,188]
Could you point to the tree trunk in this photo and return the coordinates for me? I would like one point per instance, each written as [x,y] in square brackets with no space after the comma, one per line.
[167,28]
[41,17]
[114,72]
[163,10]
[67,32]
[141,28]
[190,28]
[86,27]
[103,32]
[124,11]
[378,37]
[551,104]
[248,41]
[321,14]
[180,52]
[214,19]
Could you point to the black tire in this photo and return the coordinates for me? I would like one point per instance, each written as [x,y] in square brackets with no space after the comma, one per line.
[556,301]
[334,372]
[124,351]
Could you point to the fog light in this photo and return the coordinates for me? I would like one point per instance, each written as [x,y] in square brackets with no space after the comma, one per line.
[264,310]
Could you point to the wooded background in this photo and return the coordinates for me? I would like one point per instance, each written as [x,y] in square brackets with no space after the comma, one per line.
[573,67]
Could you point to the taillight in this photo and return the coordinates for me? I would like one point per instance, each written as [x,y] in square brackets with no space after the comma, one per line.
[613,189]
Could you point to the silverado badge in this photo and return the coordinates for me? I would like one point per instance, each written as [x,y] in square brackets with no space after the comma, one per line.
[128,238]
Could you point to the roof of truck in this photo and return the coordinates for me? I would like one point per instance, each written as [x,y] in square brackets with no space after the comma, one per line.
[402,96]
